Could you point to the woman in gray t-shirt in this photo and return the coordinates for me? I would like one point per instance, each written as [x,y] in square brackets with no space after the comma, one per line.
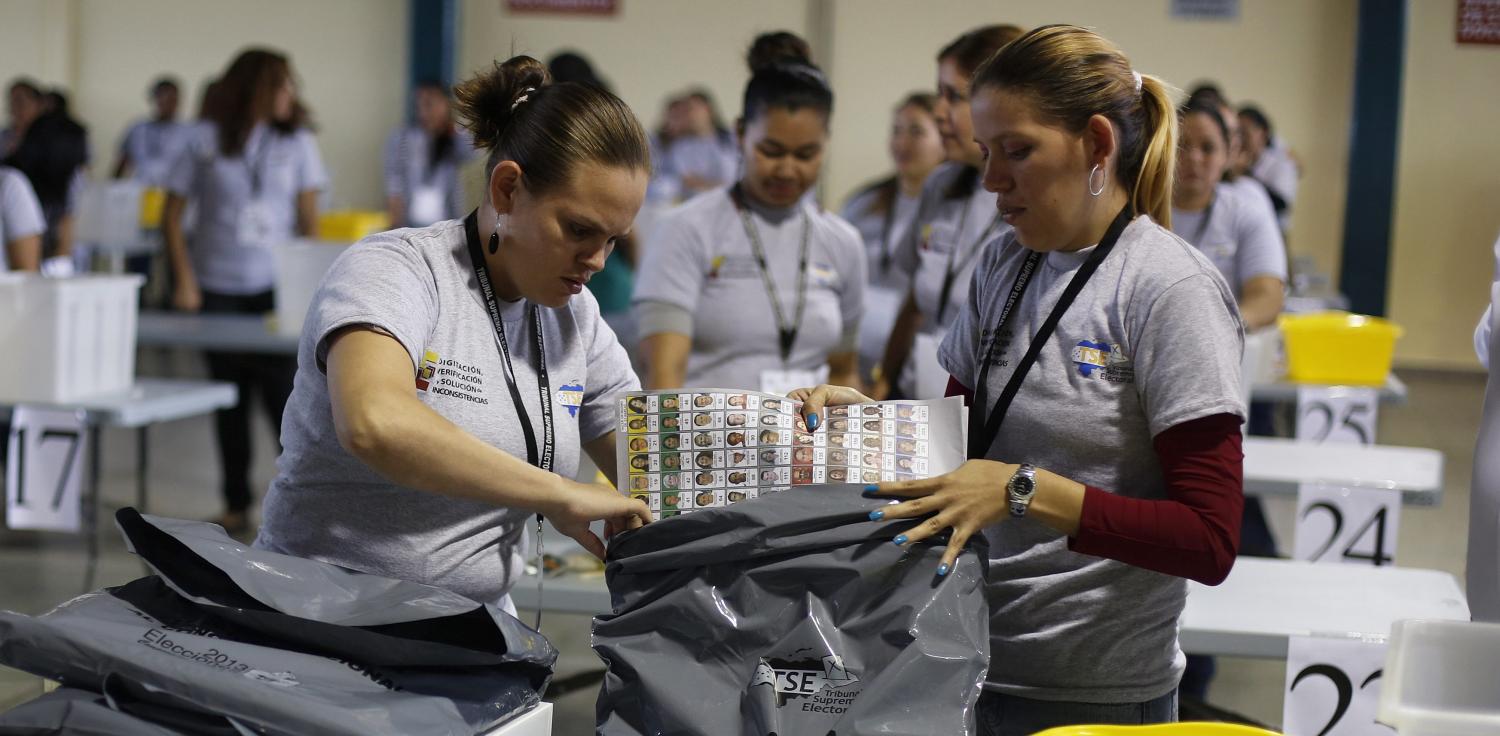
[753,286]
[449,377]
[1110,349]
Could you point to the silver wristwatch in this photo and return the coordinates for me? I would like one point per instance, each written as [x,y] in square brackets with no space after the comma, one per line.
[1020,489]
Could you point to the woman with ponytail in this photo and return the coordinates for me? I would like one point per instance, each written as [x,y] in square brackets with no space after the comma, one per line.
[1101,354]
[449,376]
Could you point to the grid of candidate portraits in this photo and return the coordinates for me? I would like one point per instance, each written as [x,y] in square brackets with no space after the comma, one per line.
[690,451]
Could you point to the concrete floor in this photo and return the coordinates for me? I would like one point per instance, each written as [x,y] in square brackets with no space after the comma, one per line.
[38,571]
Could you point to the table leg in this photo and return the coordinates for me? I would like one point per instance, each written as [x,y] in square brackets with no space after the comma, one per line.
[142,454]
[91,510]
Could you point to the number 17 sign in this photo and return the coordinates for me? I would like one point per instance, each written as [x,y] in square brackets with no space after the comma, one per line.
[43,476]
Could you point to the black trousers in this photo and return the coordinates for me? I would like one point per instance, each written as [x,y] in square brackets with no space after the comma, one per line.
[267,378]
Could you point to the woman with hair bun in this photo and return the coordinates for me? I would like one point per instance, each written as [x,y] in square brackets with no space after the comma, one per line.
[752,286]
[1103,353]
[433,480]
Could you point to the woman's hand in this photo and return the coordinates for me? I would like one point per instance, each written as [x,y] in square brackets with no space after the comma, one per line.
[814,399]
[581,503]
[967,500]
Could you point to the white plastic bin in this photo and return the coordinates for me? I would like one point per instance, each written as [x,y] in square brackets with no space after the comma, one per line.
[300,265]
[1442,678]
[66,339]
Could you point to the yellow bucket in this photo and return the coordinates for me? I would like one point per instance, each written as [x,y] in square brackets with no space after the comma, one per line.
[1169,729]
[1339,348]
[153,201]
[347,226]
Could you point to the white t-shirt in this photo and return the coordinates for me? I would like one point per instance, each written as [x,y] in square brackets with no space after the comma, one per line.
[1276,169]
[419,286]
[699,262]
[1238,233]
[225,192]
[152,147]
[20,212]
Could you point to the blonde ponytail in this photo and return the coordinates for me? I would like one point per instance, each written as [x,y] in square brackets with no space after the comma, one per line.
[1152,193]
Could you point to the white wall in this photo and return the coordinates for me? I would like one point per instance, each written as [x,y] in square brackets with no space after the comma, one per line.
[350,57]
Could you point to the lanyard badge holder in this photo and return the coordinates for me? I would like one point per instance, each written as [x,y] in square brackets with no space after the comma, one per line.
[982,434]
[254,230]
[539,455]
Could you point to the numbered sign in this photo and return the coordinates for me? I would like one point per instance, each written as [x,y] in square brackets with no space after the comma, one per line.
[43,479]
[1333,686]
[1354,526]
[1337,414]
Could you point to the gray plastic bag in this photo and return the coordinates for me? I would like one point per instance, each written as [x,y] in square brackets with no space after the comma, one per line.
[193,650]
[790,614]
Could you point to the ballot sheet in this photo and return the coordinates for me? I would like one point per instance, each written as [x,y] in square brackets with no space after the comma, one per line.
[685,450]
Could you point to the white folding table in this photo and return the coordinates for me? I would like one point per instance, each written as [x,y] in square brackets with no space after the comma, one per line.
[149,401]
[230,333]
[1277,466]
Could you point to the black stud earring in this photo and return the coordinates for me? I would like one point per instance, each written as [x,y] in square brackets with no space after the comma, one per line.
[494,242]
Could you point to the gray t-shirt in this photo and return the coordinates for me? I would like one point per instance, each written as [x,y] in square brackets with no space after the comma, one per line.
[955,229]
[20,212]
[1238,233]
[700,263]
[285,165]
[153,146]
[1152,341]
[888,283]
[419,286]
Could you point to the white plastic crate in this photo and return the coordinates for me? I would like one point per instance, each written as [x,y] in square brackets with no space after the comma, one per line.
[1441,679]
[66,339]
[300,265]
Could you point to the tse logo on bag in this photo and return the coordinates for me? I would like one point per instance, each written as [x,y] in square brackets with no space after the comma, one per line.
[796,679]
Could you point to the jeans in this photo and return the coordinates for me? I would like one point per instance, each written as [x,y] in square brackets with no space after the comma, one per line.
[269,376]
[1008,715]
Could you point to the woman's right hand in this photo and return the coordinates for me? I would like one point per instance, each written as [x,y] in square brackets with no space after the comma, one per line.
[582,503]
[814,399]
[187,297]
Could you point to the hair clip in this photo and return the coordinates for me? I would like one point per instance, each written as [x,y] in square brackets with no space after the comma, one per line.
[526,95]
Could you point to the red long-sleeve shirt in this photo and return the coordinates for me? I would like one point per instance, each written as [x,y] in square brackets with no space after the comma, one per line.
[1195,532]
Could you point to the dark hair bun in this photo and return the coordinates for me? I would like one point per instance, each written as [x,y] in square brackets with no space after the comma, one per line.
[487,102]
[777,48]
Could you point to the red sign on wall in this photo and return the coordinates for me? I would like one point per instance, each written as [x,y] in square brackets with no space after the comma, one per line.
[1479,21]
[564,7]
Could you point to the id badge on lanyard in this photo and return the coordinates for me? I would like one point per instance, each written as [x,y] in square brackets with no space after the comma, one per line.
[783,381]
[428,205]
[257,221]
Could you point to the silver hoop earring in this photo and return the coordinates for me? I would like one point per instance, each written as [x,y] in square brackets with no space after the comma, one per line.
[1102,177]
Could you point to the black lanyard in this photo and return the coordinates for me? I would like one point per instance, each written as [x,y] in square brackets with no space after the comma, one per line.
[787,331]
[886,223]
[257,162]
[982,434]
[950,275]
[543,458]
[1208,213]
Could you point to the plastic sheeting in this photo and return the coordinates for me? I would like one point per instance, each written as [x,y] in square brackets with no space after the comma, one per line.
[229,639]
[790,614]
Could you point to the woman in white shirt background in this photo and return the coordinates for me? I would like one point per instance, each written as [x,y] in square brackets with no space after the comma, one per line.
[255,173]
[1234,226]
[955,218]
[883,211]
[422,161]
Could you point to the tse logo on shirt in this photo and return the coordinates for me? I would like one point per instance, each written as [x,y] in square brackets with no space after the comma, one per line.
[1107,360]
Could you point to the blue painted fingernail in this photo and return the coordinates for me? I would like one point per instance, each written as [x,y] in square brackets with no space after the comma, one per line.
[877,515]
[812,421]
[899,540]
[942,569]
[871,488]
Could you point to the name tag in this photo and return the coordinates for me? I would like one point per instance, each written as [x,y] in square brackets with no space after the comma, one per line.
[255,226]
[783,382]
[428,205]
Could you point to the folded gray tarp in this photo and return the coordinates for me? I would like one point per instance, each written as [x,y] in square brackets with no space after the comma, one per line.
[791,614]
[228,638]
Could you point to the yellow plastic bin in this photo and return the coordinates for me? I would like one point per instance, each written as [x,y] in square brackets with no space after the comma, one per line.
[347,226]
[1170,729]
[1338,348]
[153,201]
